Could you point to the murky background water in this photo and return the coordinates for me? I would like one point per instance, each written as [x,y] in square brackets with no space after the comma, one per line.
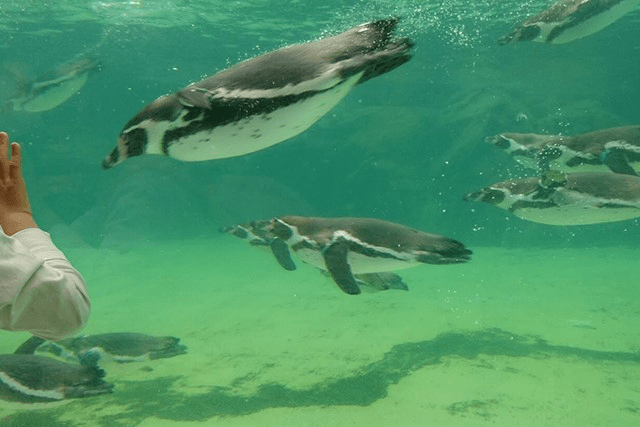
[403,147]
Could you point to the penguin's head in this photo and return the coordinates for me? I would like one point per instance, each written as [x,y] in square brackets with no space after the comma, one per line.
[130,143]
[143,133]
[10,105]
[504,194]
[255,233]
[518,145]
[531,150]
[493,196]
[502,142]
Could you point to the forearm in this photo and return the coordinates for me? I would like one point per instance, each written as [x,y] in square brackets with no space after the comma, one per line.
[50,295]
[40,291]
[53,306]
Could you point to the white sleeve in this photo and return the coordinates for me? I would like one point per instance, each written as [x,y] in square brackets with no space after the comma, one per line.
[40,291]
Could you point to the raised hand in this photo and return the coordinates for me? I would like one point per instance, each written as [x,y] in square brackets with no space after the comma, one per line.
[15,209]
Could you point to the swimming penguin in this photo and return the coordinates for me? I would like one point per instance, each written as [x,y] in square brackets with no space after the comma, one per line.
[569,20]
[616,150]
[256,234]
[31,378]
[567,199]
[54,87]
[120,347]
[346,247]
[262,101]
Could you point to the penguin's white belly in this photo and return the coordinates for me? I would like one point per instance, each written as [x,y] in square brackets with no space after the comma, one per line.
[52,96]
[359,263]
[579,209]
[573,215]
[257,132]
[594,24]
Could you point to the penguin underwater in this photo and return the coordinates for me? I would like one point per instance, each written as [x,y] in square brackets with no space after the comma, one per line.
[615,150]
[121,347]
[346,247]
[257,235]
[31,378]
[262,101]
[566,199]
[569,20]
[54,87]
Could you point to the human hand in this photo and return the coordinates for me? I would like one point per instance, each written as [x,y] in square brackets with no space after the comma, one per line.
[15,209]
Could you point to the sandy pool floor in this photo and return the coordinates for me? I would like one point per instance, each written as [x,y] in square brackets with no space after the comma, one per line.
[515,337]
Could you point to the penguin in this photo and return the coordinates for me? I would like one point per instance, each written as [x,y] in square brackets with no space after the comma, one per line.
[262,101]
[345,247]
[32,378]
[615,150]
[52,88]
[257,235]
[569,20]
[121,347]
[557,198]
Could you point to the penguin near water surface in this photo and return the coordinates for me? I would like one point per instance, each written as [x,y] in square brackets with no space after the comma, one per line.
[52,88]
[262,101]
[569,20]
[615,150]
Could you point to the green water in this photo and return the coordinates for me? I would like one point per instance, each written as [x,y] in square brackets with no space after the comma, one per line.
[540,328]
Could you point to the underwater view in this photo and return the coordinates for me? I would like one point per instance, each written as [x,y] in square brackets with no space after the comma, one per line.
[332,213]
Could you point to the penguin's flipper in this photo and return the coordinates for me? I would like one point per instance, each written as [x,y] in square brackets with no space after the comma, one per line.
[195,97]
[280,251]
[335,259]
[617,162]
[30,345]
[381,281]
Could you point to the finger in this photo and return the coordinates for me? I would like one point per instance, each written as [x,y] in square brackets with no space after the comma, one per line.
[15,170]
[4,159]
